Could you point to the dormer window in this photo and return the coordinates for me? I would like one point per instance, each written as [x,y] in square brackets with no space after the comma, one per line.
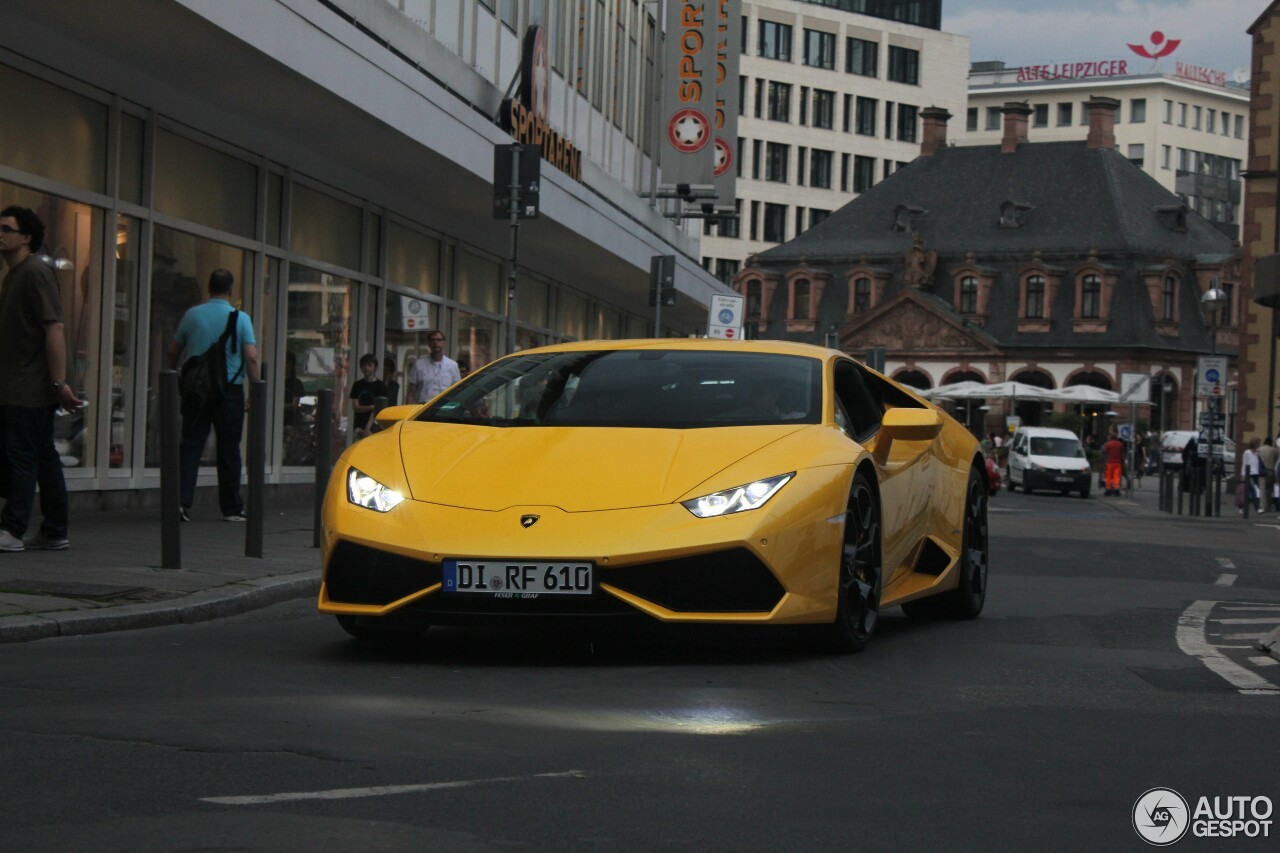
[1035,297]
[800,299]
[1173,217]
[753,299]
[1091,297]
[861,295]
[968,301]
[1169,300]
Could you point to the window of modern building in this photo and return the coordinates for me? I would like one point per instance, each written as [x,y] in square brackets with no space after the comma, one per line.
[993,118]
[775,223]
[864,173]
[971,119]
[1034,303]
[1064,114]
[1084,113]
[1226,123]
[1239,127]
[888,119]
[866,117]
[861,295]
[1091,297]
[204,185]
[775,41]
[816,215]
[819,49]
[804,105]
[732,227]
[324,227]
[742,95]
[844,173]
[1165,154]
[1138,110]
[861,57]
[319,317]
[779,101]
[907,122]
[413,259]
[904,65]
[801,159]
[759,111]
[62,135]
[847,124]
[1137,155]
[756,158]
[132,129]
[1168,112]
[1182,114]
[824,109]
[726,269]
[820,168]
[1168,299]
[776,159]
[968,297]
[1197,115]
[1040,116]
[1211,120]
[754,231]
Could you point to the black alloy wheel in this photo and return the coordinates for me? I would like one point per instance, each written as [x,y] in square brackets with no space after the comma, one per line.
[861,570]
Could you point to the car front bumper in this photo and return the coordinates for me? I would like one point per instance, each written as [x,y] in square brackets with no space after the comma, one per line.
[1062,480]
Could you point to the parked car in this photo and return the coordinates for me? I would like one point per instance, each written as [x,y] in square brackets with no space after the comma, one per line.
[1174,442]
[994,480]
[1048,458]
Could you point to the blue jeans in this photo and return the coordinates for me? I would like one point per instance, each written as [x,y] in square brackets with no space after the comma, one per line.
[30,460]
[227,422]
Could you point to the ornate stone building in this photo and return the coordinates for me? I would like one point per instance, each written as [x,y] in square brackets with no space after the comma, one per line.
[1054,264]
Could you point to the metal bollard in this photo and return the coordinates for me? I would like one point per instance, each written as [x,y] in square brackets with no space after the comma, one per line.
[256,462]
[324,450]
[170,472]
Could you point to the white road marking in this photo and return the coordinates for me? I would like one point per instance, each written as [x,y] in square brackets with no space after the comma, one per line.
[1225,580]
[1191,639]
[1263,621]
[1273,526]
[1264,660]
[379,791]
[1263,607]
[1226,563]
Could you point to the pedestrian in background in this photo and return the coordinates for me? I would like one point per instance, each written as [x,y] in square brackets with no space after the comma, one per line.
[200,329]
[1251,471]
[433,372]
[1113,455]
[33,374]
[389,378]
[365,391]
[1269,456]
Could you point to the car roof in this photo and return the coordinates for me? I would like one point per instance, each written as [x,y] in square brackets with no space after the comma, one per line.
[1049,432]
[769,347]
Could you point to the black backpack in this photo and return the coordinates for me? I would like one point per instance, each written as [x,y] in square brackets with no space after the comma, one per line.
[203,380]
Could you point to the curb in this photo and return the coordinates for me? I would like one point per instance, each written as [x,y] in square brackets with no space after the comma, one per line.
[229,600]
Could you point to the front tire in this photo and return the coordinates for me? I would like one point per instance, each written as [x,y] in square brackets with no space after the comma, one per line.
[861,573]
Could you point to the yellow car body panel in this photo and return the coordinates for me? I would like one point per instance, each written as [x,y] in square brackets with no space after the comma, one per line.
[612,496]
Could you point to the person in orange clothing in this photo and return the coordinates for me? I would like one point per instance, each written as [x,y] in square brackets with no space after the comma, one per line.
[1113,454]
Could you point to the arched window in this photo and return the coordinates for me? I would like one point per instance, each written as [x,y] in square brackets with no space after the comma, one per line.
[1035,297]
[753,299]
[1091,297]
[969,295]
[800,299]
[1169,299]
[861,295]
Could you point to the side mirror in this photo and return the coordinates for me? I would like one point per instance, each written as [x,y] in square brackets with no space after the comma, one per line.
[904,424]
[392,414]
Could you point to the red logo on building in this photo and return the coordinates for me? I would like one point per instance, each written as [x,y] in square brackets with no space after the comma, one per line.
[1159,46]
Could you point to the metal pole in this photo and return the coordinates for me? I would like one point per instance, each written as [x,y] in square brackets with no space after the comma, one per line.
[324,447]
[513,209]
[256,462]
[170,473]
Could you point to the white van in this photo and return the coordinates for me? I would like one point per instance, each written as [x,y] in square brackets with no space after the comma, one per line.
[1048,458]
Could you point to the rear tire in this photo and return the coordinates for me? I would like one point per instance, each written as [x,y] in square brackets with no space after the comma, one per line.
[860,578]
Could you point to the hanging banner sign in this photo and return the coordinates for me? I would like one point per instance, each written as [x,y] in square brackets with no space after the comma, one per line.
[728,42]
[689,93]
[525,118]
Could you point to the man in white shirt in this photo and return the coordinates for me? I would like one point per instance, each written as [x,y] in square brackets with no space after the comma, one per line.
[1251,471]
[433,372]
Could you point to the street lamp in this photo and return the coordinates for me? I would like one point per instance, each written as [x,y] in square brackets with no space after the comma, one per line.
[1211,303]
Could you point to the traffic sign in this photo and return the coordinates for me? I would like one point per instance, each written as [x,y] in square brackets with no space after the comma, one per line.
[1135,388]
[1211,373]
[724,319]
[1126,432]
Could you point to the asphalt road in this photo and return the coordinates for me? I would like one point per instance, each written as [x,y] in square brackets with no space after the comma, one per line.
[1036,727]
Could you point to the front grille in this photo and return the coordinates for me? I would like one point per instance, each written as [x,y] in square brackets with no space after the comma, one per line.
[358,574]
[732,581]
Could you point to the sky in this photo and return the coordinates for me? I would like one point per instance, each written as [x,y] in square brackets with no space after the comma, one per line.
[1212,33]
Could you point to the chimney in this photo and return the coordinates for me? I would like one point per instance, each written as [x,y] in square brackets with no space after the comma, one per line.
[1102,121]
[1015,125]
[934,121]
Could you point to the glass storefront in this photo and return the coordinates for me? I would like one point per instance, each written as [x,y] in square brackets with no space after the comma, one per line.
[318,353]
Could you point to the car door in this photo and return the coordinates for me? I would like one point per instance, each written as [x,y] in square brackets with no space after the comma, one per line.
[1018,459]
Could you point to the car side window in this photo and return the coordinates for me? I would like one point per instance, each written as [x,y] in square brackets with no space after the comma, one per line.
[862,408]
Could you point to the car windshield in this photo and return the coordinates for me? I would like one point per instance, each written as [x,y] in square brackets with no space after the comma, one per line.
[666,389]
[1056,447]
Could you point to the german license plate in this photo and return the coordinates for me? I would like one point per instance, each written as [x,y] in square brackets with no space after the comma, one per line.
[511,578]
[1061,478]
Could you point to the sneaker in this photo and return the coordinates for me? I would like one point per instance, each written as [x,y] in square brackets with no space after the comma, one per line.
[40,542]
[9,542]
[184,513]
[238,516]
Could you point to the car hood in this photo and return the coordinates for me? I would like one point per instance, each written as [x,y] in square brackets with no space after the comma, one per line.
[1061,463]
[577,469]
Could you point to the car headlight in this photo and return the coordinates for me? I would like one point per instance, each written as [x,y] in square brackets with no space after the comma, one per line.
[1035,466]
[738,499]
[363,490]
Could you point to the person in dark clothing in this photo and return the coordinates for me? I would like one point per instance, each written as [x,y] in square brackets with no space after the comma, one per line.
[365,391]
[389,378]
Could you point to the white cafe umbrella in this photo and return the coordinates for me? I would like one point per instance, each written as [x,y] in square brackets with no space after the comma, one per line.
[1008,391]
[1086,394]
[952,391]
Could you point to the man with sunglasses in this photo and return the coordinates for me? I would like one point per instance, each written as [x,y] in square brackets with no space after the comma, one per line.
[33,374]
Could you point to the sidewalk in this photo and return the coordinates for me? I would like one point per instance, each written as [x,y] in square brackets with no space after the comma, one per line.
[110,578]
[1145,501]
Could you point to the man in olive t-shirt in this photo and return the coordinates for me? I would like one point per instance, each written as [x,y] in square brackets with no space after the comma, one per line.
[33,372]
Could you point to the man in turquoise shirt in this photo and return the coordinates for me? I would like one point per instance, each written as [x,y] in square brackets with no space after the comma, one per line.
[200,329]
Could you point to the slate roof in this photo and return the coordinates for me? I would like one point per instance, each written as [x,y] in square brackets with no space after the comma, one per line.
[1080,199]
